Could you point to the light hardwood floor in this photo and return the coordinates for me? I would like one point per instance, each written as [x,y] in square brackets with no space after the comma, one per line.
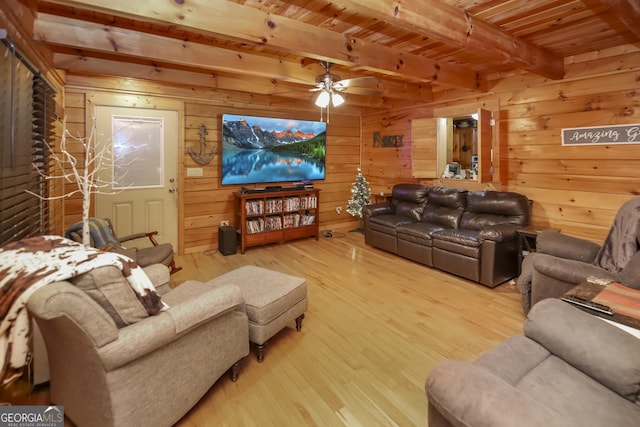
[375,327]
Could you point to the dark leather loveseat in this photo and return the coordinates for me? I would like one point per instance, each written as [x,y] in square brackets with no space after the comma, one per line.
[471,234]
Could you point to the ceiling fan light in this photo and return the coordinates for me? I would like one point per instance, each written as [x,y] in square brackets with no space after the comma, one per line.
[323,99]
[337,99]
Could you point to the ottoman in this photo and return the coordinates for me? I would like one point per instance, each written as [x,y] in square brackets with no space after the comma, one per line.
[272,301]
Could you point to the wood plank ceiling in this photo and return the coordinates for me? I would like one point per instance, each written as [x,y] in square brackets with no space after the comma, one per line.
[414,48]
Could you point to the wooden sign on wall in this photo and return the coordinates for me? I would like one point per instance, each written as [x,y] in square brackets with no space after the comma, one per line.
[602,135]
[387,140]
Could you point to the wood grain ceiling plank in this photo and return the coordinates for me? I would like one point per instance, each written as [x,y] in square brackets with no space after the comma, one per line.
[452,25]
[575,37]
[628,11]
[504,13]
[256,27]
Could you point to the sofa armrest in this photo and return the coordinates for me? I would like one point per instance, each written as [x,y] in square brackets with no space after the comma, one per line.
[604,352]
[190,306]
[383,208]
[193,303]
[53,301]
[135,236]
[568,270]
[469,395]
[499,232]
[564,246]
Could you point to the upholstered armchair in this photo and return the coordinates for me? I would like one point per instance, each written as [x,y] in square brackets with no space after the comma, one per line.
[113,364]
[104,237]
[561,261]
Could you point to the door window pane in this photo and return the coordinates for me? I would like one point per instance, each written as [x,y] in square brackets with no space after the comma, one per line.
[138,153]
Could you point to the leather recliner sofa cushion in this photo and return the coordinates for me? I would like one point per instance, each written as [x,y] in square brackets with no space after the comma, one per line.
[444,206]
[485,208]
[408,202]
[443,211]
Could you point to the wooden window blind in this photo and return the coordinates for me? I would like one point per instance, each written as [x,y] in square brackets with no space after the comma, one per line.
[27,117]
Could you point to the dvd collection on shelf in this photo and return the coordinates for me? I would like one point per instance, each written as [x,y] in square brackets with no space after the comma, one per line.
[254,207]
[275,207]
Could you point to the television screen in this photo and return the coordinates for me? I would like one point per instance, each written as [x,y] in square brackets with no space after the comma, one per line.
[266,150]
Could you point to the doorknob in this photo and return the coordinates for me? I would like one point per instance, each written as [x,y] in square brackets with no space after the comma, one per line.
[172,190]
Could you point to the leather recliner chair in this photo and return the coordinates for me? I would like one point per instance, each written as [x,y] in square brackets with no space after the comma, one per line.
[562,262]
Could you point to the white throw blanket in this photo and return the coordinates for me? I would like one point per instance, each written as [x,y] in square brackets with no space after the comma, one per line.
[28,265]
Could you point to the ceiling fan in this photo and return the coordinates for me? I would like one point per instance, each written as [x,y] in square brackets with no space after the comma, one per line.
[330,85]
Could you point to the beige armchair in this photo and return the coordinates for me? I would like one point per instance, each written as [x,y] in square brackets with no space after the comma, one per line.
[112,364]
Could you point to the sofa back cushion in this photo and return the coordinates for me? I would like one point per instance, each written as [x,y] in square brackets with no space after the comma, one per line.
[444,206]
[414,193]
[487,208]
[409,199]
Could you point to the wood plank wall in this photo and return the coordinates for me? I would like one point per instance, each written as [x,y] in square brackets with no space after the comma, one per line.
[205,202]
[577,189]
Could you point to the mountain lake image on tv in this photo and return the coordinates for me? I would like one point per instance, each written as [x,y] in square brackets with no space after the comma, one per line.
[266,150]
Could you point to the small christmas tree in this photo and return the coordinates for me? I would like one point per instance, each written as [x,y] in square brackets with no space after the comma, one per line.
[360,197]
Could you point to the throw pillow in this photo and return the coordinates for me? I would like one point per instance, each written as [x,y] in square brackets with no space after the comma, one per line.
[108,287]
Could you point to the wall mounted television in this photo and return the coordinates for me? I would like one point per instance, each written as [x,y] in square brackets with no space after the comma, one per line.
[257,150]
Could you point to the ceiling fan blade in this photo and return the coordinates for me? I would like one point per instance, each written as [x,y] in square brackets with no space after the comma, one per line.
[357,81]
[360,91]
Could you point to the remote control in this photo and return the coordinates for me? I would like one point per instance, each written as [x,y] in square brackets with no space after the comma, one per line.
[583,302]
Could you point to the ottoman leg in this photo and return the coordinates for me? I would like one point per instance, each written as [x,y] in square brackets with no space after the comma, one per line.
[299,322]
[235,370]
[260,351]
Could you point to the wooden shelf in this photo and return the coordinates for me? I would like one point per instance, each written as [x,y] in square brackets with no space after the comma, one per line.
[277,216]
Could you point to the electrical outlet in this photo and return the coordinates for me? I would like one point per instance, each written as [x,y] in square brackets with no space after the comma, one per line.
[225,222]
[339,210]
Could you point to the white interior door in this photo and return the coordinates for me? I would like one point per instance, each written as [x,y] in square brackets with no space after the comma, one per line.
[141,171]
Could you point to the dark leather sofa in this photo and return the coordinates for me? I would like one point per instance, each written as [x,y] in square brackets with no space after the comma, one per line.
[471,234]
